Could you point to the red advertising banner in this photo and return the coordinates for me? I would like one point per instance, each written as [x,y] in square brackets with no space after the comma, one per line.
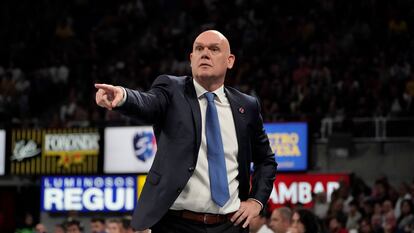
[298,189]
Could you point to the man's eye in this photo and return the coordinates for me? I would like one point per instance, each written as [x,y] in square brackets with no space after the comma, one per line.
[199,48]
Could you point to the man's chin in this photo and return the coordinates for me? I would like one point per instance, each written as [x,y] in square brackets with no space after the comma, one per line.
[204,75]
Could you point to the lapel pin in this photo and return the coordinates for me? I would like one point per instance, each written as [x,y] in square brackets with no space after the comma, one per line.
[241,110]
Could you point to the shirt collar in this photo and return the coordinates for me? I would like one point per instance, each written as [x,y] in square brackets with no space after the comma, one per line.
[200,90]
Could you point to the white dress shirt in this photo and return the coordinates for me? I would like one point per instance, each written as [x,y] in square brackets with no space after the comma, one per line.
[196,195]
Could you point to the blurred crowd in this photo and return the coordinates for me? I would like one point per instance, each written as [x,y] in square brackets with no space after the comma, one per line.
[305,60]
[96,225]
[353,208]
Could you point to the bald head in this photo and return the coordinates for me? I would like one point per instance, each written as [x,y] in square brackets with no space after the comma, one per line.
[214,34]
[210,59]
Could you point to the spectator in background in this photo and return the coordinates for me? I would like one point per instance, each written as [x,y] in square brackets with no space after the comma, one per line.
[380,190]
[376,218]
[258,224]
[345,194]
[367,207]
[321,206]
[114,225]
[335,225]
[40,228]
[27,226]
[353,216]
[405,222]
[304,221]
[280,219]
[404,194]
[365,226]
[74,226]
[389,220]
[97,225]
[336,210]
[59,228]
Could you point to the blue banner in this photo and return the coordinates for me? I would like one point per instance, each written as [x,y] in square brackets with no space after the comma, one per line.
[289,142]
[88,193]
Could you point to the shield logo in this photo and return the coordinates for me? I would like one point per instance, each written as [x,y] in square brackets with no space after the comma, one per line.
[144,145]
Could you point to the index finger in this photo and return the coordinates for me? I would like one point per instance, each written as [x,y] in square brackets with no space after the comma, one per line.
[236,216]
[105,87]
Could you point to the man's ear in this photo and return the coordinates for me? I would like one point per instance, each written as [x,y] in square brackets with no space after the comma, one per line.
[230,61]
[191,57]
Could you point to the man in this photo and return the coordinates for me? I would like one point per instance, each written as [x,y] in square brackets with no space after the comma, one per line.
[280,220]
[207,136]
[114,225]
[74,226]
[98,225]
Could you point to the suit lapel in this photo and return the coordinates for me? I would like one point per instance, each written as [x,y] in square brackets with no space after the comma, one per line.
[191,96]
[237,109]
[240,123]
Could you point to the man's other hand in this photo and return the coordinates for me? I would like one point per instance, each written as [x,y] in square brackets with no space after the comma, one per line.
[247,211]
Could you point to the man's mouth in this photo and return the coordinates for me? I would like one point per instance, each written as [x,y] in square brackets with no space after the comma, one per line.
[205,65]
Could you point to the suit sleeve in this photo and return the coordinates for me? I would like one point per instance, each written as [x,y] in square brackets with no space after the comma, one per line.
[264,162]
[148,106]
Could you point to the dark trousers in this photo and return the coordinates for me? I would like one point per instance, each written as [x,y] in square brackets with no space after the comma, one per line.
[175,224]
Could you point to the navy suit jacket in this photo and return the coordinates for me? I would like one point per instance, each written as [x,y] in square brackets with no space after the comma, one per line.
[172,107]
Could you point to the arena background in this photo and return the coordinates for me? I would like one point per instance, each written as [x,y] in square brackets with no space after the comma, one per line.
[341,67]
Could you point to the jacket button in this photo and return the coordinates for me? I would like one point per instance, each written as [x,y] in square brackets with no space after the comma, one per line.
[179,190]
[191,169]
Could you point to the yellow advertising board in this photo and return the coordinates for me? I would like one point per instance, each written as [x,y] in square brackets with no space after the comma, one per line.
[54,151]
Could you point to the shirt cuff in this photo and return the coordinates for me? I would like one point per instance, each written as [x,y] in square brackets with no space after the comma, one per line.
[257,202]
[123,98]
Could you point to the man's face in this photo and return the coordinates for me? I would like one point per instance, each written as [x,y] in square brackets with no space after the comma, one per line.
[97,227]
[113,227]
[73,229]
[211,56]
[277,223]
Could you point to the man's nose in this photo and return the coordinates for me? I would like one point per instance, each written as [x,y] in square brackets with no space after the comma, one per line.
[205,56]
[206,53]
